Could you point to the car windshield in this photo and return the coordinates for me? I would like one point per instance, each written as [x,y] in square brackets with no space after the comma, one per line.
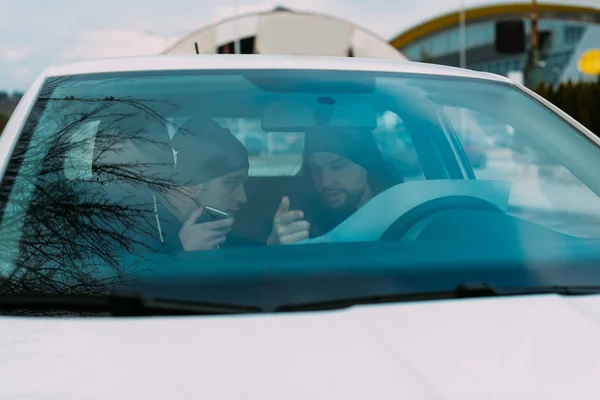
[270,187]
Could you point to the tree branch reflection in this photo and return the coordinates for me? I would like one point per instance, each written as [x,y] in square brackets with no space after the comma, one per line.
[71,226]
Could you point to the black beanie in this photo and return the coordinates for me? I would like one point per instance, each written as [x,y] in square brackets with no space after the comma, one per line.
[203,151]
[357,145]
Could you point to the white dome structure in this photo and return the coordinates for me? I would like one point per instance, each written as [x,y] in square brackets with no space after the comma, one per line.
[282,31]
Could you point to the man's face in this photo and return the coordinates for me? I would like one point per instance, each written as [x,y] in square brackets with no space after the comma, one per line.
[225,193]
[338,180]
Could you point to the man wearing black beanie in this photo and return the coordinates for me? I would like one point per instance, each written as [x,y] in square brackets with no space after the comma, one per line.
[209,167]
[347,169]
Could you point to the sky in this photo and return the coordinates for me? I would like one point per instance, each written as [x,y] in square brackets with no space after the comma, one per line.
[38,33]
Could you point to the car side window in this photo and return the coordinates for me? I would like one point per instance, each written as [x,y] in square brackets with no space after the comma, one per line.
[540,185]
[397,146]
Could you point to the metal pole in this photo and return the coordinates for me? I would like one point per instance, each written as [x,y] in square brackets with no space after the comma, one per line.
[241,131]
[462,34]
[463,58]
[236,42]
[535,46]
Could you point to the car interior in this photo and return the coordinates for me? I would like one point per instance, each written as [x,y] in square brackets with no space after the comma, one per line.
[441,161]
[296,106]
[439,157]
[447,210]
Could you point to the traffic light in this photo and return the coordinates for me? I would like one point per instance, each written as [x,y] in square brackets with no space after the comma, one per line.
[510,37]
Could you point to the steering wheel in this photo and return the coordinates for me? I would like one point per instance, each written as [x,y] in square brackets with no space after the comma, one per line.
[411,223]
[394,212]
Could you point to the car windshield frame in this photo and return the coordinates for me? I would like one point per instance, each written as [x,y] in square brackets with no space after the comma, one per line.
[399,89]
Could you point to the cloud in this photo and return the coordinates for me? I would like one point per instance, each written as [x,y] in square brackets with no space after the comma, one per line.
[141,38]
[227,10]
[107,43]
[21,72]
[14,54]
[142,27]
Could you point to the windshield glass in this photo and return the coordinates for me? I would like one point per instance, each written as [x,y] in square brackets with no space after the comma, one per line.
[270,187]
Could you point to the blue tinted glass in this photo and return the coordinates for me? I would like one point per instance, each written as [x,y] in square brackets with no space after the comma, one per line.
[238,177]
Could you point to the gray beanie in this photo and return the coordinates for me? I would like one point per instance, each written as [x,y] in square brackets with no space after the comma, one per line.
[138,148]
[203,151]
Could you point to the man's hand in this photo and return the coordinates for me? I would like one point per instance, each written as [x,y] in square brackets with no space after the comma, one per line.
[288,226]
[203,236]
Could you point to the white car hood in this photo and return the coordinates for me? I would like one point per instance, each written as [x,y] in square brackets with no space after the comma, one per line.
[536,347]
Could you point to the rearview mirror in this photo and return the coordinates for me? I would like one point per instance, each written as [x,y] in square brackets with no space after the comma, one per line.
[295,116]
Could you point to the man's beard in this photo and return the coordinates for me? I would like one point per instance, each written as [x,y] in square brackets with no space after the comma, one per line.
[350,204]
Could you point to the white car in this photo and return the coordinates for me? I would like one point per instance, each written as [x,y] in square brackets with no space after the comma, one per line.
[448,284]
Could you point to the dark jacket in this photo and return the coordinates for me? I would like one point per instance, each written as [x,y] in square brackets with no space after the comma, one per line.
[171,225]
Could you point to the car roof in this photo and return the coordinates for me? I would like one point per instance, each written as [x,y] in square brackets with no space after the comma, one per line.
[232,62]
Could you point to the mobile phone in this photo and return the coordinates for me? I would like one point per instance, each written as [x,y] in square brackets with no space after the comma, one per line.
[212,214]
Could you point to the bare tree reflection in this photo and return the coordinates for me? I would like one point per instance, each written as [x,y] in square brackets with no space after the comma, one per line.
[82,233]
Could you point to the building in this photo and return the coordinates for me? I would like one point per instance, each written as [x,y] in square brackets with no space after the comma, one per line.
[282,31]
[566,32]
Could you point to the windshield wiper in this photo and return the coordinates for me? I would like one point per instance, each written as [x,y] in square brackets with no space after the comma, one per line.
[463,290]
[117,303]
